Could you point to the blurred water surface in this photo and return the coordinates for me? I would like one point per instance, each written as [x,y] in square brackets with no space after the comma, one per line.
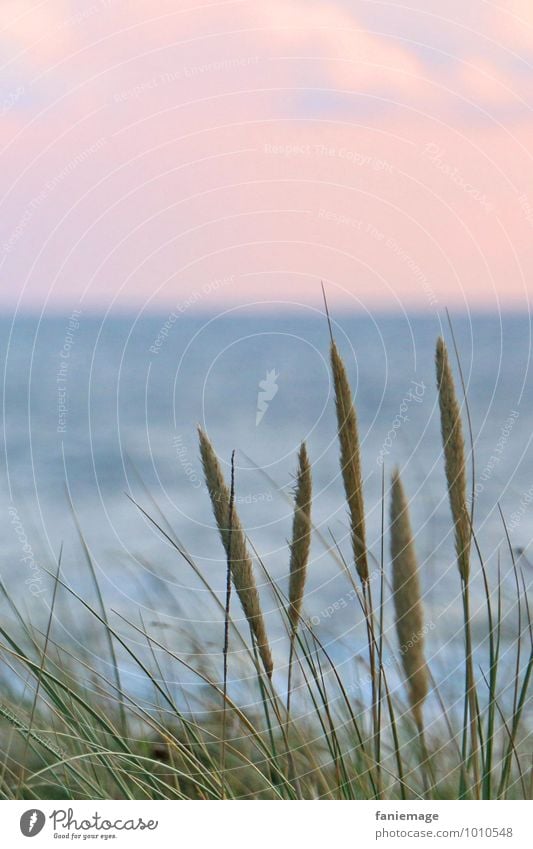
[97,408]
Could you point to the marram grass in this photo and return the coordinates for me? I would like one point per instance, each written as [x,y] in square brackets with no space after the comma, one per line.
[234,542]
[301,539]
[409,614]
[350,459]
[455,468]
[192,715]
[454,454]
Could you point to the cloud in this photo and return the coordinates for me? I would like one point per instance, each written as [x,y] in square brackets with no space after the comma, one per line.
[218,148]
[491,87]
[512,26]
[311,45]
[333,38]
[36,33]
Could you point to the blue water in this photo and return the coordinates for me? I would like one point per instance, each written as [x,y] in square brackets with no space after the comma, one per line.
[105,407]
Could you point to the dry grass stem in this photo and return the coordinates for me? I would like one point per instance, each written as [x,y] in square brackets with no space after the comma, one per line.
[454,453]
[407,600]
[234,542]
[301,538]
[350,460]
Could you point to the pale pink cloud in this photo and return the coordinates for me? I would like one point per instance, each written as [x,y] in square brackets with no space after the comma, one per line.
[157,149]
[490,86]
[347,54]
[511,24]
[36,33]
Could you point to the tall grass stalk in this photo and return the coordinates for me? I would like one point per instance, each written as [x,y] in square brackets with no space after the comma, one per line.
[351,468]
[455,469]
[350,459]
[240,561]
[227,607]
[301,539]
[409,613]
[408,602]
[299,559]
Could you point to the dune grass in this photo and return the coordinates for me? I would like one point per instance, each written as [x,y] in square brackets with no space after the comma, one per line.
[73,728]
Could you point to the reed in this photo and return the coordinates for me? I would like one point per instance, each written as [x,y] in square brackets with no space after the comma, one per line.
[351,467]
[350,458]
[301,539]
[234,542]
[455,469]
[408,607]
[454,454]
[299,558]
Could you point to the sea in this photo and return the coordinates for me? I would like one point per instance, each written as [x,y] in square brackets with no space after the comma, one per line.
[100,463]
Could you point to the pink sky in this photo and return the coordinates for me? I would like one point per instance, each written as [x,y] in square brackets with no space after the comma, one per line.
[157,153]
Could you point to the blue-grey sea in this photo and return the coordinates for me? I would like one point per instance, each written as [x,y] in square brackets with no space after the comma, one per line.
[100,412]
